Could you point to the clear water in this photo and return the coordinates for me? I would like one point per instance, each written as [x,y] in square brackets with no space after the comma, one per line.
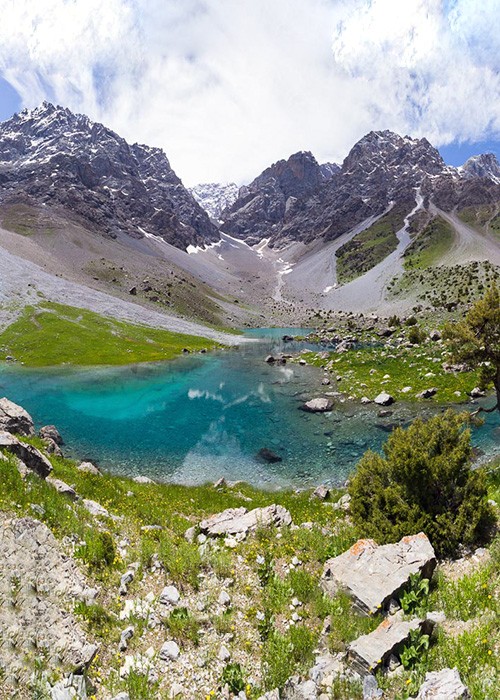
[201,417]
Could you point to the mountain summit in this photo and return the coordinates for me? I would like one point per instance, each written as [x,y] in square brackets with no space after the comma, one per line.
[51,156]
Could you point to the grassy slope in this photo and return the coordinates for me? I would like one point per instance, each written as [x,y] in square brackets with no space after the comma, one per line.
[429,246]
[369,247]
[54,334]
[469,639]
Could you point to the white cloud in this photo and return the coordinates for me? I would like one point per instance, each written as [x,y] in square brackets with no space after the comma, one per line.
[228,86]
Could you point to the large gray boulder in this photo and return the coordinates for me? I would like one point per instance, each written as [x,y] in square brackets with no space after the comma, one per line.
[373,574]
[370,652]
[296,689]
[319,405]
[14,419]
[70,688]
[50,432]
[32,458]
[235,521]
[443,685]
[384,399]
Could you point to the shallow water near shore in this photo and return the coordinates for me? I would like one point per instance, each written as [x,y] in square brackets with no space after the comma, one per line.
[201,417]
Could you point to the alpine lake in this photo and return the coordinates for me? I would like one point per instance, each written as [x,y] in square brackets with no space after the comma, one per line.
[205,416]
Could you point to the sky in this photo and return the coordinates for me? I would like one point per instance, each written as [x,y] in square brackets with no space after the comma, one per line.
[226,87]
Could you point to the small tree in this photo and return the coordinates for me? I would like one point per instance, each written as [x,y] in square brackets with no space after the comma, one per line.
[424,483]
[476,341]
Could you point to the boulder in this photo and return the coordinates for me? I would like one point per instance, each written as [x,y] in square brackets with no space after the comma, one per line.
[326,668]
[143,479]
[373,574]
[384,399]
[170,651]
[14,419]
[50,432]
[321,492]
[88,468]
[62,487]
[443,685]
[32,458]
[476,393]
[71,688]
[95,508]
[371,652]
[238,520]
[52,448]
[319,405]
[267,455]
[169,596]
[435,335]
[296,689]
[371,691]
[427,393]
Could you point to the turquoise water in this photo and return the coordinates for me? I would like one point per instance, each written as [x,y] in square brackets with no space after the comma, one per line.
[205,416]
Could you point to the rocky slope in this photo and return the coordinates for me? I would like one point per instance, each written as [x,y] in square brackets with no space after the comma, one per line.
[292,201]
[53,157]
[214,197]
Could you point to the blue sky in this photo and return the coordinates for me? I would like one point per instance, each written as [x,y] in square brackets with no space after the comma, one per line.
[227,87]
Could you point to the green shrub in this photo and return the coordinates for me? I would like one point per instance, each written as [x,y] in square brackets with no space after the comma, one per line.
[183,626]
[423,483]
[414,597]
[181,560]
[416,336]
[233,676]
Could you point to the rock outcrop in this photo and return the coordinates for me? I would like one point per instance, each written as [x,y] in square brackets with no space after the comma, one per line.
[235,521]
[28,455]
[443,685]
[38,586]
[14,419]
[373,575]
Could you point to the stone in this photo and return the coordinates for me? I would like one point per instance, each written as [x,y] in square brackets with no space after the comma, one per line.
[32,458]
[170,651]
[435,335]
[169,596]
[121,696]
[318,405]
[443,685]
[295,689]
[271,695]
[224,654]
[343,503]
[427,393]
[220,483]
[370,652]
[127,634]
[224,599]
[125,580]
[476,393]
[88,468]
[436,617]
[371,691]
[384,399]
[50,432]
[267,455]
[365,400]
[133,291]
[95,508]
[52,448]
[143,479]
[239,520]
[14,419]
[176,690]
[62,487]
[372,575]
[325,667]
[321,492]
[270,359]
[70,688]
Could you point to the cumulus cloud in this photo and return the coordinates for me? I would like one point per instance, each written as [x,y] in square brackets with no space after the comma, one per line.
[228,86]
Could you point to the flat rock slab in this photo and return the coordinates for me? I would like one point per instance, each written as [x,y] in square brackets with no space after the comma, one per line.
[373,574]
[29,455]
[239,520]
[443,685]
[14,419]
[371,651]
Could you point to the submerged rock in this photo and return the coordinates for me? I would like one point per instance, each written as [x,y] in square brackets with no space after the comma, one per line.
[372,575]
[267,455]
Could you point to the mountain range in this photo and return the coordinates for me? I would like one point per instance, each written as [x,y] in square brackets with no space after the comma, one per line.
[301,234]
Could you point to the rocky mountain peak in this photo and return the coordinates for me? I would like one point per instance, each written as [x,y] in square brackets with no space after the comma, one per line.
[485,165]
[214,197]
[52,156]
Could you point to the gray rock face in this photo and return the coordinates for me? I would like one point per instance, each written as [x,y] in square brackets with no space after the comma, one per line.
[14,419]
[53,157]
[70,688]
[371,691]
[373,574]
[62,487]
[427,393]
[443,685]
[238,520]
[38,588]
[95,508]
[88,468]
[371,651]
[32,458]
[318,405]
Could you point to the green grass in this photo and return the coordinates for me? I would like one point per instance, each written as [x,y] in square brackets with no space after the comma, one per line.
[478,217]
[54,334]
[26,220]
[429,246]
[369,247]
[405,367]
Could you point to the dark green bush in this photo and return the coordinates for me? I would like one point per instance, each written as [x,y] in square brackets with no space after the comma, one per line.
[423,483]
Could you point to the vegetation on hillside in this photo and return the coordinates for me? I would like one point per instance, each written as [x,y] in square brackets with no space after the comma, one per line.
[430,246]
[371,246]
[53,334]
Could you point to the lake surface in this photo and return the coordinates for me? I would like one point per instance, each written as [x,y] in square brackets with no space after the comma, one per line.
[200,417]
